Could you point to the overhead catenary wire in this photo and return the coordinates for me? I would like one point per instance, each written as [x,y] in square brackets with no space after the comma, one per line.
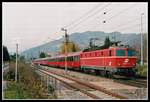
[124,28]
[129,27]
[95,7]
[122,11]
[115,14]
[87,17]
[94,19]
[126,23]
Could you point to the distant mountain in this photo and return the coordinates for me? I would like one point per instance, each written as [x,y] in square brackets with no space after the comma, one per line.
[82,39]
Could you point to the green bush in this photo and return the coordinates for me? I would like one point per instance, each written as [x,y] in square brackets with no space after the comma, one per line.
[142,70]
[10,75]
[28,85]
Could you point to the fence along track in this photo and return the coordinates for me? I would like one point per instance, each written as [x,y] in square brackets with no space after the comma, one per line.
[88,85]
[72,85]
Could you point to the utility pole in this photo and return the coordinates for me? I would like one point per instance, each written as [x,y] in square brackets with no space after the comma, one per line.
[141,40]
[16,62]
[66,42]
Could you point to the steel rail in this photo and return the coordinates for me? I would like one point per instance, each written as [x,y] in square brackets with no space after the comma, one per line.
[94,87]
[71,85]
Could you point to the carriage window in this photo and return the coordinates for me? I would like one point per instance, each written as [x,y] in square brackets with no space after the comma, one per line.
[71,58]
[68,58]
[120,52]
[76,58]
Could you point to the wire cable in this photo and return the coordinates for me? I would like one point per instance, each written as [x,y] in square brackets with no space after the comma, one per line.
[95,7]
[87,17]
[122,11]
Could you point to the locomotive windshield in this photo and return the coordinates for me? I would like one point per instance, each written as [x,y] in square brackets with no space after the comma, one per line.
[131,53]
[120,52]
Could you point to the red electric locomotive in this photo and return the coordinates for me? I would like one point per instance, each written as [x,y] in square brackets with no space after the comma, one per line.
[114,60]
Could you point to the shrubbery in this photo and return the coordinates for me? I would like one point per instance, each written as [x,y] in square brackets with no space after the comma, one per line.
[28,85]
[142,70]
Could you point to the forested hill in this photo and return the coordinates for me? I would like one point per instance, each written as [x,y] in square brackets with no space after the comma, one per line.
[82,39]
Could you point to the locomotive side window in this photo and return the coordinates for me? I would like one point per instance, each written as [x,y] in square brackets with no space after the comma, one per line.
[110,52]
[120,52]
[86,55]
[102,53]
[93,54]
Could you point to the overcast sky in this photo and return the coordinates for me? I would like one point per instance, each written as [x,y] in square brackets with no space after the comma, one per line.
[33,24]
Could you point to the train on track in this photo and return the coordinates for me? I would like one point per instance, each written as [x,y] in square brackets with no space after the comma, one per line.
[106,62]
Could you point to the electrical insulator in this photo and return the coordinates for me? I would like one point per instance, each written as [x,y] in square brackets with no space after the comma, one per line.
[104,21]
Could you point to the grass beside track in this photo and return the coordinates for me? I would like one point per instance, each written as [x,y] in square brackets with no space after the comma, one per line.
[14,91]
[28,85]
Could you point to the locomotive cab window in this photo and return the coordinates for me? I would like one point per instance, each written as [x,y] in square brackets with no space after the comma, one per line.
[120,52]
[131,53]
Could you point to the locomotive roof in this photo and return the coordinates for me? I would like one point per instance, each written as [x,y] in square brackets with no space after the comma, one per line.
[105,49]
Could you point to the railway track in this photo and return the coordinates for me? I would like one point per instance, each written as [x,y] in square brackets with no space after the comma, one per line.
[133,82]
[91,90]
[137,82]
